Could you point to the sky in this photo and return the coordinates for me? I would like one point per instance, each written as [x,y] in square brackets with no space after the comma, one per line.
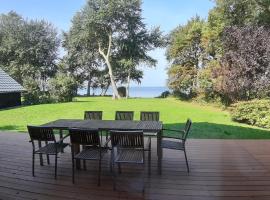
[167,14]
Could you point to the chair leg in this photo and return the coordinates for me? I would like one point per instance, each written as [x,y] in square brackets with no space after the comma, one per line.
[40,155]
[119,168]
[99,171]
[186,161]
[143,184]
[48,159]
[73,171]
[84,161]
[55,167]
[114,177]
[84,164]
[33,164]
[149,159]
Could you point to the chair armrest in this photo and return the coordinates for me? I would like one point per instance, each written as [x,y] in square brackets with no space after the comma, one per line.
[171,137]
[173,130]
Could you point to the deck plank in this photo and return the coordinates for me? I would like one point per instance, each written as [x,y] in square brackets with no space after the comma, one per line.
[220,169]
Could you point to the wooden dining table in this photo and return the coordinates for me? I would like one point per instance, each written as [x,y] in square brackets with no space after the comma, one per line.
[106,125]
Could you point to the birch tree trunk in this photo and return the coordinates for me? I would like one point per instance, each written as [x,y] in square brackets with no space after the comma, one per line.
[107,61]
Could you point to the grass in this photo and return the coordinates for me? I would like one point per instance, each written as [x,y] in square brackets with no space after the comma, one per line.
[208,121]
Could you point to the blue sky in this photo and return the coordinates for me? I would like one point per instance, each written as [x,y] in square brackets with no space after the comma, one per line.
[167,14]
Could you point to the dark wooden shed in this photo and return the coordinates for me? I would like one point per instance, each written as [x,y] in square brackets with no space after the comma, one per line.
[10,91]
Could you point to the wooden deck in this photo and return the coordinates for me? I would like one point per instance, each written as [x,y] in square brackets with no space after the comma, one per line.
[220,169]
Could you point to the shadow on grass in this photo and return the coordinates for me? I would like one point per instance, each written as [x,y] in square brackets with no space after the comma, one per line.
[202,130]
[11,128]
[205,130]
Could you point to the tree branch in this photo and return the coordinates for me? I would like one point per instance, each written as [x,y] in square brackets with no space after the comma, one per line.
[101,51]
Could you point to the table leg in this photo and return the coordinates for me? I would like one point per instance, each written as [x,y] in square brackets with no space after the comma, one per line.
[159,151]
[61,136]
[77,150]
[40,155]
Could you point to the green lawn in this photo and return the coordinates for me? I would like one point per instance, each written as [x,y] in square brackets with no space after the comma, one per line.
[208,122]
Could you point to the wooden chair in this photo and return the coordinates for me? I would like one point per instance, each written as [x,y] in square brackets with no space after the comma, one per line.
[127,147]
[92,149]
[93,115]
[124,115]
[149,116]
[178,143]
[45,134]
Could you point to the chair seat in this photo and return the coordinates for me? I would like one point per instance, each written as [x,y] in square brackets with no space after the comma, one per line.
[169,144]
[130,156]
[50,148]
[90,154]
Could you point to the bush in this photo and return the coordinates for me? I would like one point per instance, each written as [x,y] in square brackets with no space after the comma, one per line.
[255,112]
[33,94]
[164,94]
[62,88]
[122,91]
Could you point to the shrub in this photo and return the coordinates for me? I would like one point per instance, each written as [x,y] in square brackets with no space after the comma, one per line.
[122,91]
[164,94]
[62,88]
[255,112]
[33,94]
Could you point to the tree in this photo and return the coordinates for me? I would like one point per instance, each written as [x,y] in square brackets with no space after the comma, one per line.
[245,66]
[108,27]
[82,60]
[185,52]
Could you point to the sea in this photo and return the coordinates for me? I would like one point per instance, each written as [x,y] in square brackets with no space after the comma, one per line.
[140,91]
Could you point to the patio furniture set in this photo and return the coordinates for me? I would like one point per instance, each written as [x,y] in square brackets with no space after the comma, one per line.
[127,140]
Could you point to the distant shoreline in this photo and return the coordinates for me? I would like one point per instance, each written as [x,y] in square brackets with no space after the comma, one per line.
[136,91]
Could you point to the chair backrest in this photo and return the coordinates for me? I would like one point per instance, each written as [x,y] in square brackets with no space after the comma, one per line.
[127,139]
[40,133]
[93,115]
[124,115]
[84,137]
[187,129]
[149,116]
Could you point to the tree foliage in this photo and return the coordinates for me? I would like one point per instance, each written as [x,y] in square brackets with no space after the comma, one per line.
[28,48]
[233,52]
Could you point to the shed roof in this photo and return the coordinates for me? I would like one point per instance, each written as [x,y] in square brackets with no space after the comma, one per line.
[8,84]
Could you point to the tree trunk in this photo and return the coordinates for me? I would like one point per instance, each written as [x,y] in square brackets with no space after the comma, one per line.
[89,87]
[107,60]
[128,83]
[113,84]
[106,89]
